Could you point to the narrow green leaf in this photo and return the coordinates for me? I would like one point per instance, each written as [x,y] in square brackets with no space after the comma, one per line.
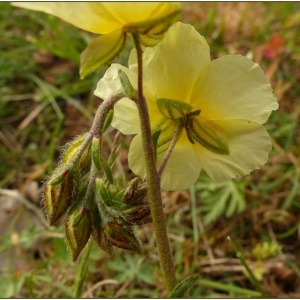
[129,90]
[100,51]
[230,288]
[108,120]
[108,171]
[181,288]
[103,191]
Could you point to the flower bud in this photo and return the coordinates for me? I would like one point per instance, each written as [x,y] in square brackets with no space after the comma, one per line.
[97,230]
[72,149]
[57,199]
[101,240]
[135,191]
[59,175]
[77,230]
[122,237]
[138,214]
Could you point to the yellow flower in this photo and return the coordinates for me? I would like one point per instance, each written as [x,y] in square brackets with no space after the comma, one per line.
[220,105]
[112,20]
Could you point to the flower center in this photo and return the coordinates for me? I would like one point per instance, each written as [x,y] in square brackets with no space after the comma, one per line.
[178,115]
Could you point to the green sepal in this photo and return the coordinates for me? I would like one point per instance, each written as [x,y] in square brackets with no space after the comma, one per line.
[150,40]
[128,89]
[209,135]
[182,287]
[107,170]
[108,120]
[135,214]
[77,236]
[71,149]
[96,150]
[135,192]
[189,136]
[100,51]
[97,230]
[122,237]
[173,109]
[119,196]
[57,199]
[57,179]
[78,217]
[103,192]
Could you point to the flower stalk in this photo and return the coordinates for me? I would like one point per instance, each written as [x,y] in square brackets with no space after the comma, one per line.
[82,269]
[153,180]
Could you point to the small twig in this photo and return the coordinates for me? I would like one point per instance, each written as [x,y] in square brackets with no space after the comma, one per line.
[206,244]
[97,285]
[123,287]
[16,195]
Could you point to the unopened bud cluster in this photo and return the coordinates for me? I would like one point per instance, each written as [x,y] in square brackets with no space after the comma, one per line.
[91,204]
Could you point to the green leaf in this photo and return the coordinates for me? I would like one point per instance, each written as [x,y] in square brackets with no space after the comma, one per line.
[181,288]
[100,51]
[108,171]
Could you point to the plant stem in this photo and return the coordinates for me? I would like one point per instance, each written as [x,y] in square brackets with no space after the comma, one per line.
[153,180]
[174,140]
[82,269]
[98,122]
[96,130]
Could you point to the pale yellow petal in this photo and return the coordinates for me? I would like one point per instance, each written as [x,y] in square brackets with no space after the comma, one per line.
[249,146]
[234,87]
[135,158]
[126,117]
[110,84]
[90,16]
[172,67]
[181,171]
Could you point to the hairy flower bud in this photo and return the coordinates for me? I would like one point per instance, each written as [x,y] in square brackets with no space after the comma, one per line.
[77,230]
[138,214]
[122,237]
[135,191]
[59,175]
[72,149]
[97,231]
[57,199]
